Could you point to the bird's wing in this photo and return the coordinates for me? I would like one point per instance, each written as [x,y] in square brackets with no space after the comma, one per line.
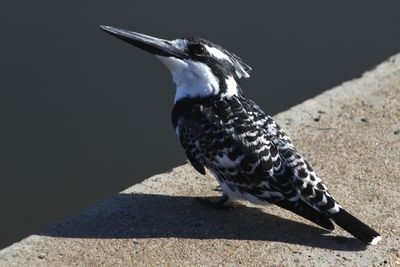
[249,152]
[251,156]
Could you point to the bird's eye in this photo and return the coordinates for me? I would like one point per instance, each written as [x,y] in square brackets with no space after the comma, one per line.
[196,49]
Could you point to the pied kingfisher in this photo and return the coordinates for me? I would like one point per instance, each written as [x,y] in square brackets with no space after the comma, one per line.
[220,129]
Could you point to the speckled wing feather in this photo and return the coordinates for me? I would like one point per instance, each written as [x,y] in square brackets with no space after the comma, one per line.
[250,155]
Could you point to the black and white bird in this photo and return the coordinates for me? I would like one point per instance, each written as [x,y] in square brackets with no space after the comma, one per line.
[220,129]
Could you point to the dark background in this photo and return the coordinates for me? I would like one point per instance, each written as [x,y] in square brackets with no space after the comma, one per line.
[84,115]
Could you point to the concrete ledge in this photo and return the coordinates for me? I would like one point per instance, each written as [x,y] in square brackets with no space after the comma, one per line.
[350,134]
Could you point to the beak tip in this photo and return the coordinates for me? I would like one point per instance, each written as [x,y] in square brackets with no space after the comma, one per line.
[105,28]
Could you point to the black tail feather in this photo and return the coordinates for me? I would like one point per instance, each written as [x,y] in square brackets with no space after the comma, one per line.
[355,227]
[306,211]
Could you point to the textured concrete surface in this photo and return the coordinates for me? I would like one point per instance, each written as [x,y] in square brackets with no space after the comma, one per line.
[350,134]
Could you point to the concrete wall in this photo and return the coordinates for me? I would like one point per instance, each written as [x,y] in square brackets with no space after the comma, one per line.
[350,134]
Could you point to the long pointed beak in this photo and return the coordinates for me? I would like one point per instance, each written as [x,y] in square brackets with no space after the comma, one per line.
[150,44]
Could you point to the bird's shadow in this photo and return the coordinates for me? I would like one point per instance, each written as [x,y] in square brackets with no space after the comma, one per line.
[160,216]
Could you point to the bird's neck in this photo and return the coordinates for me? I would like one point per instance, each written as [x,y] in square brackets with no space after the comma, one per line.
[194,87]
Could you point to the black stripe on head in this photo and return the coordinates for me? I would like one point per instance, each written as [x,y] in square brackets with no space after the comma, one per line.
[222,63]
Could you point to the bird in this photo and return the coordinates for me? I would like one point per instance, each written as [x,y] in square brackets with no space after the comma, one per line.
[250,155]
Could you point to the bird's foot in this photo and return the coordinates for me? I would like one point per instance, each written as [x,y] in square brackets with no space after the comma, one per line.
[219,204]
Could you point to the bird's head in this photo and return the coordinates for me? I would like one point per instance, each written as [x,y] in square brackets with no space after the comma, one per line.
[199,68]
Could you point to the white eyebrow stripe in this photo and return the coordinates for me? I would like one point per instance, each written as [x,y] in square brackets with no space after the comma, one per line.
[218,53]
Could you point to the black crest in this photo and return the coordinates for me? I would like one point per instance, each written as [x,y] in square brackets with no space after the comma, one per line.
[235,65]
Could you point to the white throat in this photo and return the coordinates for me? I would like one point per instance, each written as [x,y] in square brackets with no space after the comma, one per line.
[195,79]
